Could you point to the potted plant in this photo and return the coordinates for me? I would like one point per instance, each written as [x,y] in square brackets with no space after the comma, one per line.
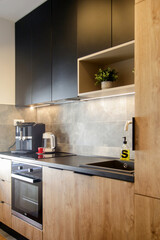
[106,77]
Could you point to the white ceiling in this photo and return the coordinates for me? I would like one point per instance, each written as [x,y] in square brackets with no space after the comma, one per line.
[15,9]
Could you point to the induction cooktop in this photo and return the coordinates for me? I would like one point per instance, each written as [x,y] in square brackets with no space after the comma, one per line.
[44,156]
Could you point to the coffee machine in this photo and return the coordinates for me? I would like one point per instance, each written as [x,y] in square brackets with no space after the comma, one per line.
[28,137]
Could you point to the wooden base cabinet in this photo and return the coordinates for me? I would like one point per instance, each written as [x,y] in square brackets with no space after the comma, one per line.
[147,218]
[5,191]
[5,213]
[25,229]
[5,169]
[77,206]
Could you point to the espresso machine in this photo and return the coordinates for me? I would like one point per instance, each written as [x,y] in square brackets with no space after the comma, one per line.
[28,137]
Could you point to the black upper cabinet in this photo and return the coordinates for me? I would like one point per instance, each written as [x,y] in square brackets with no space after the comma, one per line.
[122,21]
[33,56]
[51,38]
[41,53]
[23,61]
[64,45]
[93,26]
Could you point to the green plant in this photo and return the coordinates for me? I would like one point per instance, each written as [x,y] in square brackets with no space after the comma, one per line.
[106,75]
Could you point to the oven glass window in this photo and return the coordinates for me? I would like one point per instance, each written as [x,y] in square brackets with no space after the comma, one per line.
[26,199]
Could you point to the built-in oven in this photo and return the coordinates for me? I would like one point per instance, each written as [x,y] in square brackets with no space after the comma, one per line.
[27,193]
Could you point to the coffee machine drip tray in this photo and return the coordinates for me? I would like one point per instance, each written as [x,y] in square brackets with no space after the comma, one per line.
[20,152]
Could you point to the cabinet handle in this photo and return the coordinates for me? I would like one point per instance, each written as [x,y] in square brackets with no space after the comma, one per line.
[2,180]
[133,134]
[1,201]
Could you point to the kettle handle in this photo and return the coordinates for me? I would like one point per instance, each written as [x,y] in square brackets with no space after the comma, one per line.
[53,142]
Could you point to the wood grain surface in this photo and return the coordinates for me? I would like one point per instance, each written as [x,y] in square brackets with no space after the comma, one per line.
[147,100]
[147,220]
[85,207]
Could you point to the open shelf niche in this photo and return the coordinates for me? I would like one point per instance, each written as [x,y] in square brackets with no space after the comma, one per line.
[121,58]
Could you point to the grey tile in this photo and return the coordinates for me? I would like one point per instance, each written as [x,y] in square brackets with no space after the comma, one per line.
[7,135]
[10,112]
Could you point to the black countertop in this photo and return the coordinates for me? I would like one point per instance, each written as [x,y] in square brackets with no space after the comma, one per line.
[69,162]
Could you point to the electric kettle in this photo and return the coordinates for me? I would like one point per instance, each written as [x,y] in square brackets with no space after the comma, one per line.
[49,142]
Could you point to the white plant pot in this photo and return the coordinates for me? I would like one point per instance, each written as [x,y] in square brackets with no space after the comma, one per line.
[106,84]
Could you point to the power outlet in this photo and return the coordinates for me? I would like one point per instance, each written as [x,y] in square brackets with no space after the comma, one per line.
[15,121]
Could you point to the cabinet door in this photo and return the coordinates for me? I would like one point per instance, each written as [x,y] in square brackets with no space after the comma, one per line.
[41,53]
[122,21]
[5,214]
[23,61]
[64,62]
[26,229]
[77,206]
[93,26]
[147,218]
[5,191]
[147,72]
[5,169]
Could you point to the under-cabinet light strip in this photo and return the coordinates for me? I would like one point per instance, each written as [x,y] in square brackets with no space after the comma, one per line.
[115,95]
[39,106]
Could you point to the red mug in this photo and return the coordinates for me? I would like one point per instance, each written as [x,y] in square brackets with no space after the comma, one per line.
[40,149]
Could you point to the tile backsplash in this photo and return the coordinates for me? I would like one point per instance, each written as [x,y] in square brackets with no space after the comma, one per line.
[90,127]
[86,128]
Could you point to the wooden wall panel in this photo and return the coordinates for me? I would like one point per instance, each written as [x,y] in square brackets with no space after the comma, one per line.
[147,218]
[147,85]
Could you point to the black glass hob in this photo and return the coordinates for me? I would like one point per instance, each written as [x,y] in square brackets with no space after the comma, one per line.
[45,155]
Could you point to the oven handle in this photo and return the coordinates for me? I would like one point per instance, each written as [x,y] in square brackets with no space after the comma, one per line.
[25,179]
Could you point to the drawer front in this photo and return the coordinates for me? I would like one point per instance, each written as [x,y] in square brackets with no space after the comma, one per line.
[5,191]
[5,214]
[5,169]
[25,229]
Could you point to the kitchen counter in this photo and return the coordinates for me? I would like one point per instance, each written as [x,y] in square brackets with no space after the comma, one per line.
[71,163]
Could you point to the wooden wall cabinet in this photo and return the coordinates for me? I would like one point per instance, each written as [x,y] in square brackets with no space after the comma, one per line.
[147,72]
[5,191]
[85,207]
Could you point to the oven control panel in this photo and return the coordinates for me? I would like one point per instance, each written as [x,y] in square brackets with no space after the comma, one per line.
[27,170]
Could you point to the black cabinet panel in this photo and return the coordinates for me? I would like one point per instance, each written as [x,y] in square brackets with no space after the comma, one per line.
[41,53]
[64,44]
[23,61]
[93,26]
[122,21]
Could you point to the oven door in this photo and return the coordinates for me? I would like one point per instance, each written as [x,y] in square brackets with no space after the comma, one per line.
[27,199]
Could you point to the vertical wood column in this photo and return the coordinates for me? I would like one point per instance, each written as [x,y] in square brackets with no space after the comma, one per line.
[147,100]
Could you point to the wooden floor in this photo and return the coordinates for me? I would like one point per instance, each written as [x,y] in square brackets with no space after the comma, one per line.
[5,236]
[2,238]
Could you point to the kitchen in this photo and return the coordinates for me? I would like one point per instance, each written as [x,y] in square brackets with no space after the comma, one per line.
[91,128]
